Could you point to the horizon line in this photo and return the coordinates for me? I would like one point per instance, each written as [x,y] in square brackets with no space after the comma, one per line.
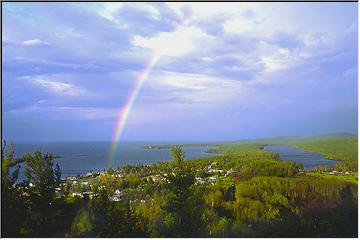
[181,140]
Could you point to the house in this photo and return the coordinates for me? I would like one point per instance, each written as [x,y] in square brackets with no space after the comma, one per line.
[228,172]
[117,196]
[115,199]
[212,179]
[199,180]
[25,194]
[90,194]
[76,194]
[214,171]
[156,178]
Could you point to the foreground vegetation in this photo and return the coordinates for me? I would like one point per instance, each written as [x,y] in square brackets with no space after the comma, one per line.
[246,192]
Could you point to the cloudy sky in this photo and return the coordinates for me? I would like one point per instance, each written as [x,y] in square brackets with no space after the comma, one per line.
[226,71]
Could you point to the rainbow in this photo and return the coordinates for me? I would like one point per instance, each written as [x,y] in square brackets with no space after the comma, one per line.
[125,110]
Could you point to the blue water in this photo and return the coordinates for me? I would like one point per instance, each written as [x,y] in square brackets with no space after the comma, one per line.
[308,159]
[82,157]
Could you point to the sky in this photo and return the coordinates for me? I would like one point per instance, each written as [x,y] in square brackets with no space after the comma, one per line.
[223,71]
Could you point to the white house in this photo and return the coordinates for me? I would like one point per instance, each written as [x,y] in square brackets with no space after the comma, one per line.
[115,199]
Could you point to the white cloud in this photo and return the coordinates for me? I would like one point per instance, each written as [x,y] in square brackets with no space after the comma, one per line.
[197,88]
[108,10]
[178,43]
[34,42]
[207,10]
[276,58]
[242,25]
[154,12]
[60,88]
[207,59]
[251,20]
[186,81]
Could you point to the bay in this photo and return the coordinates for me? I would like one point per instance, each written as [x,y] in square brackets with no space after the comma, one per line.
[77,158]
[308,159]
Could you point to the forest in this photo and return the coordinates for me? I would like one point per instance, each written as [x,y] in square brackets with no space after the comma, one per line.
[246,192]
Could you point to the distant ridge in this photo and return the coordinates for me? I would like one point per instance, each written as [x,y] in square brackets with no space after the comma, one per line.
[340,134]
[267,140]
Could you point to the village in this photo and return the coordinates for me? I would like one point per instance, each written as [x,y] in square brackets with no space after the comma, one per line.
[117,181]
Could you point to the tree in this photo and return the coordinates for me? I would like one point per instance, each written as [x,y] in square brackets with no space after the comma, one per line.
[348,212]
[42,176]
[8,179]
[183,204]
[182,176]
[12,208]
[104,218]
[42,179]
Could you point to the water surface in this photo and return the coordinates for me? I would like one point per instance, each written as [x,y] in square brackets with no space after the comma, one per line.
[82,157]
[308,159]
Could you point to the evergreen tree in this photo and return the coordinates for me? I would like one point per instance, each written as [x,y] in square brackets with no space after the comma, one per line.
[42,179]
[12,209]
[183,205]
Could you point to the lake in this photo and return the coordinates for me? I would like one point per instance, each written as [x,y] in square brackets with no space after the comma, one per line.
[82,157]
[308,159]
